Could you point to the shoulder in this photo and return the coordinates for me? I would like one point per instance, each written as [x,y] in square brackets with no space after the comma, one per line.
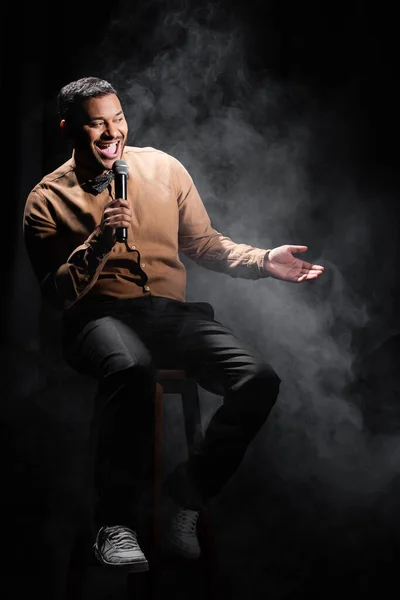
[153,163]
[60,177]
[149,155]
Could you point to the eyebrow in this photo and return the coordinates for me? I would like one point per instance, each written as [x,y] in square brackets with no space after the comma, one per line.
[121,112]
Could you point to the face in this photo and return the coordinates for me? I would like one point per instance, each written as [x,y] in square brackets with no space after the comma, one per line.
[100,134]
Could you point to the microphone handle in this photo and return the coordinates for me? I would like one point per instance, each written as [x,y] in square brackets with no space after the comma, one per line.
[120,192]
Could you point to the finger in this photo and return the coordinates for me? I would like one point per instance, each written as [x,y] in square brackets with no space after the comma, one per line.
[120,202]
[118,211]
[309,266]
[298,249]
[312,275]
[309,275]
[113,223]
[111,215]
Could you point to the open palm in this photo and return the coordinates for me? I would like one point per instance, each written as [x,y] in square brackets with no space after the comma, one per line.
[281,264]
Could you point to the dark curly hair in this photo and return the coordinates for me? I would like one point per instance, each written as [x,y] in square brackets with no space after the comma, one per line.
[71,96]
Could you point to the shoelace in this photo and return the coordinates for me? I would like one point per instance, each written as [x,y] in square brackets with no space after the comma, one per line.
[122,538]
[186,520]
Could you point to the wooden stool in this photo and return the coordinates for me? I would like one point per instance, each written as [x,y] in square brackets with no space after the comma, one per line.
[172,382]
[178,382]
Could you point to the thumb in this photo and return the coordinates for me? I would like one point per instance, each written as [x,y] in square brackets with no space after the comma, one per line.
[298,249]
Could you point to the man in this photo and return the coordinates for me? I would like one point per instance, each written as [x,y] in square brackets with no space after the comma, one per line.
[124,310]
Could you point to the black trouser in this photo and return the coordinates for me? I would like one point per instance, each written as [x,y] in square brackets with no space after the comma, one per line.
[121,343]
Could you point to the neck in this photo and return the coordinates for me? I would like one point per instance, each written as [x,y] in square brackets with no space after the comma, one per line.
[87,169]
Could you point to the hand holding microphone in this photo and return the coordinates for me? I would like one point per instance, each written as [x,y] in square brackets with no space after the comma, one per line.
[117,214]
[120,169]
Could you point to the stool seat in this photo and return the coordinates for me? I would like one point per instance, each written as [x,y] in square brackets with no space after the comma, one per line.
[171,374]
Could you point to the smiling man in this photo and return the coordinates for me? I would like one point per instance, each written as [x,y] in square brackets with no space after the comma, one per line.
[99,129]
[124,312]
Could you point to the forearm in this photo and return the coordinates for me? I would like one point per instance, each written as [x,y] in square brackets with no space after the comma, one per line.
[220,253]
[74,278]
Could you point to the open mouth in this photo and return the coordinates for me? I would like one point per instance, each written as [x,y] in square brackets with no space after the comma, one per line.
[108,151]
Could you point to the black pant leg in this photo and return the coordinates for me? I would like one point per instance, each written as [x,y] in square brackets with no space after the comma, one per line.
[249,386]
[120,454]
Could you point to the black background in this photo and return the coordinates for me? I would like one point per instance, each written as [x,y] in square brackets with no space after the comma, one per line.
[304,542]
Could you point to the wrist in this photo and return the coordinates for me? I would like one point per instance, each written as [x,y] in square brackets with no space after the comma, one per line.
[266,259]
[265,264]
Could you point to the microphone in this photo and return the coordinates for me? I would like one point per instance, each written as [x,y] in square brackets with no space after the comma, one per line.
[120,169]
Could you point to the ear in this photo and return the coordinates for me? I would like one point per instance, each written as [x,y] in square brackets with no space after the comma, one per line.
[65,129]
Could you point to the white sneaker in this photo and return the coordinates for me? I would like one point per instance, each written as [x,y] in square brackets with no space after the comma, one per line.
[117,546]
[181,533]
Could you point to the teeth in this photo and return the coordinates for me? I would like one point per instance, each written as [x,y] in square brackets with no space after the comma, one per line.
[108,149]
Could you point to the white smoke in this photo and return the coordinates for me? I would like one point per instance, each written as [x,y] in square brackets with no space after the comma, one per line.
[273,166]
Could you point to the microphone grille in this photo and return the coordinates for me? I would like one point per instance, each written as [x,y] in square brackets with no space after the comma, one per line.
[120,167]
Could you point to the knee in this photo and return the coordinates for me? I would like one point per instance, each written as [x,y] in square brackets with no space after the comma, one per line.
[260,392]
[266,378]
[261,396]
[256,396]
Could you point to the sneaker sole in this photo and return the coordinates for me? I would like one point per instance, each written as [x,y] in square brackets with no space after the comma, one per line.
[133,567]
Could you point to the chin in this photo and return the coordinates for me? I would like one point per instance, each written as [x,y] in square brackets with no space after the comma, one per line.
[106,165]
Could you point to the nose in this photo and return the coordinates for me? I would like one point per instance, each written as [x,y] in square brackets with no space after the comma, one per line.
[111,130]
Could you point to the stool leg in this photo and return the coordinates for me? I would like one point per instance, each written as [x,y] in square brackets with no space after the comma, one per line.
[191,412]
[194,431]
[158,479]
[158,460]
